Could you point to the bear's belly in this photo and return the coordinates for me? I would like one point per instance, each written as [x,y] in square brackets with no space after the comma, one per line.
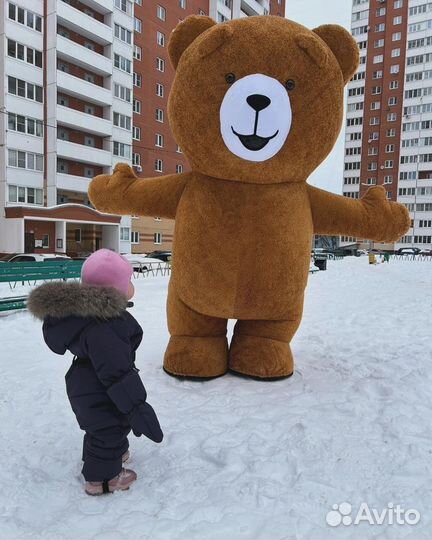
[242,251]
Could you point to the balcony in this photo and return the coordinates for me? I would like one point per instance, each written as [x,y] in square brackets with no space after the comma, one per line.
[74,86]
[101,6]
[85,122]
[87,26]
[81,56]
[69,182]
[82,153]
[252,7]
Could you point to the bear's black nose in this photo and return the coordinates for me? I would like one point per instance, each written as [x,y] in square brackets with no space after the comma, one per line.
[258,102]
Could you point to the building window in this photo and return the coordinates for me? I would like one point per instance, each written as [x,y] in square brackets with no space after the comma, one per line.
[179,150]
[23,124]
[394,69]
[378,43]
[179,168]
[137,106]
[380,27]
[78,235]
[391,117]
[158,238]
[24,53]
[376,90]
[137,79]
[388,179]
[160,64]
[388,164]
[392,100]
[25,160]
[158,165]
[122,121]
[395,53]
[159,115]
[26,17]
[375,105]
[26,195]
[182,4]
[377,74]
[381,12]
[122,63]
[373,151]
[89,172]
[122,150]
[89,77]
[62,167]
[136,133]
[89,109]
[122,92]
[374,121]
[389,148]
[124,5]
[396,36]
[397,20]
[137,52]
[123,34]
[25,89]
[161,13]
[378,59]
[135,237]
[398,4]
[159,140]
[136,159]
[159,90]
[160,38]
[373,166]
[394,85]
[137,25]
[89,141]
[125,234]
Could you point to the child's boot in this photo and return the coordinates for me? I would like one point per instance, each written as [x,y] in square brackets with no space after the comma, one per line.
[121,482]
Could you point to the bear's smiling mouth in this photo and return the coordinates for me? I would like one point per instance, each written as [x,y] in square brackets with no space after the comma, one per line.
[253,142]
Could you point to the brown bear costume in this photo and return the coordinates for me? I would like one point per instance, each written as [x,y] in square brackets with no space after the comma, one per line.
[256,106]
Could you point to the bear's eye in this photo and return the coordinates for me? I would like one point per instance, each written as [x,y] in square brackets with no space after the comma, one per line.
[230,78]
[290,85]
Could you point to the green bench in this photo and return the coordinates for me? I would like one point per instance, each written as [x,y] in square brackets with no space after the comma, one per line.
[30,273]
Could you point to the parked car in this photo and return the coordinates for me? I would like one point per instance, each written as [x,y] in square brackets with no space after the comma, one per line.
[162,255]
[426,252]
[35,257]
[408,251]
[142,263]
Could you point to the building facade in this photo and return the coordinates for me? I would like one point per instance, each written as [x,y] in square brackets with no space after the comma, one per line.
[155,152]
[86,84]
[66,116]
[389,112]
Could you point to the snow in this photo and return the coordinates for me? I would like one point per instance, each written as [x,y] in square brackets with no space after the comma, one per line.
[241,459]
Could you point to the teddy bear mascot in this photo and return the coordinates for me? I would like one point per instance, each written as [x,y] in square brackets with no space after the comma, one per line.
[256,105]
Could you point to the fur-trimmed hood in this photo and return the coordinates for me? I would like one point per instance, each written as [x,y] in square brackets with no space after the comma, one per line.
[61,299]
[70,311]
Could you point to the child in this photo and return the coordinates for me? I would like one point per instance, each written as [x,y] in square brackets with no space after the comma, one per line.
[105,391]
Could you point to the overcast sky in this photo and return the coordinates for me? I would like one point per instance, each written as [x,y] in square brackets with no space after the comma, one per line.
[312,13]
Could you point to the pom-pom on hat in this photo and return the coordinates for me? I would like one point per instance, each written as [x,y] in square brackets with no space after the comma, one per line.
[105,268]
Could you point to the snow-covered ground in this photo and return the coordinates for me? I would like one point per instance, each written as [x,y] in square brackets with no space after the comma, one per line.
[241,459]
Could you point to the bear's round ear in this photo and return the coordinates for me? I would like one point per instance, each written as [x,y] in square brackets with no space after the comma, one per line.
[342,45]
[185,33]
[313,47]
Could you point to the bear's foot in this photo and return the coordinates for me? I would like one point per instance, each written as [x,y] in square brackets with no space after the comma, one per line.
[196,358]
[260,358]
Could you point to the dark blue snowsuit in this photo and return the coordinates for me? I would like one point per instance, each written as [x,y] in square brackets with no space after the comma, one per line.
[103,385]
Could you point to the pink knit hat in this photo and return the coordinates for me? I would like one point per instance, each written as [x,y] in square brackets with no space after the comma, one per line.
[105,268]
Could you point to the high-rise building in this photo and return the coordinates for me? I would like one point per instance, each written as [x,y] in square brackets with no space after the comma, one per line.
[66,115]
[86,84]
[389,111]
[155,152]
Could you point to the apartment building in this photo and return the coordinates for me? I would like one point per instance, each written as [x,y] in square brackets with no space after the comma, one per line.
[155,152]
[66,116]
[389,112]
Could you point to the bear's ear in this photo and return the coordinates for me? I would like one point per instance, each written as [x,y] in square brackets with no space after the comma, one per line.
[343,46]
[185,33]
[217,37]
[313,47]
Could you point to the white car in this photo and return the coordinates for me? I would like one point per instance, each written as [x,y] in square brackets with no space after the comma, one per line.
[142,263]
[36,257]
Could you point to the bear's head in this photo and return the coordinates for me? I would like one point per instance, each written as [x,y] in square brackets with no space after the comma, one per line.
[258,99]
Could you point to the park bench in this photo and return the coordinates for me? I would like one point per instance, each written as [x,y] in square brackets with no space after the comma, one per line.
[31,272]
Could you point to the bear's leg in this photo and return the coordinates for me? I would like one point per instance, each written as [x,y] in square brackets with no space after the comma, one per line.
[261,349]
[198,347]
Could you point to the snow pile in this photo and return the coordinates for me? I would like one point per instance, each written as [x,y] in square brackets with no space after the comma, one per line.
[241,459]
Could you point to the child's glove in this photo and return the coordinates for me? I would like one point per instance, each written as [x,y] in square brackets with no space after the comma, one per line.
[129,396]
[143,421]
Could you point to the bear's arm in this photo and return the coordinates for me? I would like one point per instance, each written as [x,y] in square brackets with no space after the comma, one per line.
[124,194]
[373,217]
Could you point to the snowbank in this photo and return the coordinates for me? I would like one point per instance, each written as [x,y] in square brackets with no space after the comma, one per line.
[241,460]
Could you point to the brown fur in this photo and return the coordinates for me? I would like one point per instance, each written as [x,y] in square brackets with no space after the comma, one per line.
[244,229]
